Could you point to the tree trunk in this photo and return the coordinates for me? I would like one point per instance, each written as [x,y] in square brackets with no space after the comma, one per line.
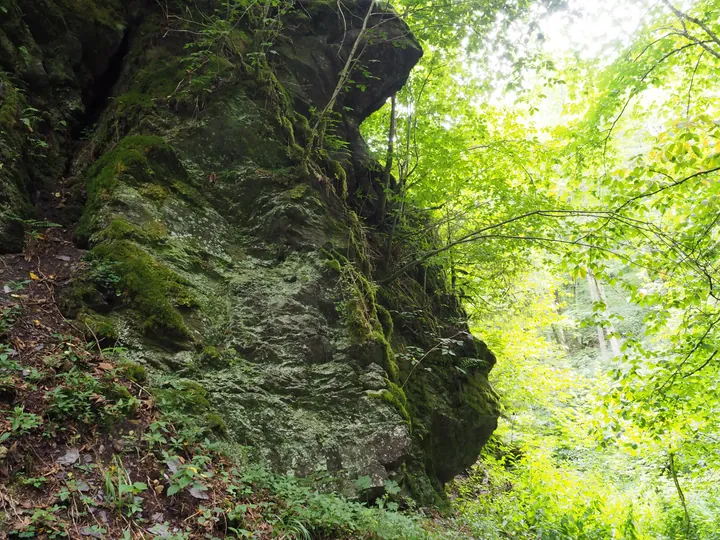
[386,181]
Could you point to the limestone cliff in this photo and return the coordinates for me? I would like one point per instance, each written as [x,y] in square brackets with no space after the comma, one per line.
[237,266]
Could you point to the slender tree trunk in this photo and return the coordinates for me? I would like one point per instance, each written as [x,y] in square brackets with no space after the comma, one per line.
[386,182]
[595,297]
[453,274]
[597,294]
[681,495]
[614,342]
[403,170]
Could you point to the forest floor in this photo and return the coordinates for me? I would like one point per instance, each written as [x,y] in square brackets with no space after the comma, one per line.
[84,450]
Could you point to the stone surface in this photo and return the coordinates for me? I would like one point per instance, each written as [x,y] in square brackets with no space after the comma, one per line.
[52,54]
[218,260]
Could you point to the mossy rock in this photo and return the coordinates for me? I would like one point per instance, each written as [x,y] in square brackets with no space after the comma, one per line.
[394,396]
[137,161]
[99,327]
[151,289]
[134,372]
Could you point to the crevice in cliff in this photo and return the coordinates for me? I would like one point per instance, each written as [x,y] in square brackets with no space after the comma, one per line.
[97,95]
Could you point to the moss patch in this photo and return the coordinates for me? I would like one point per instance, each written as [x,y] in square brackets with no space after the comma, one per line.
[152,289]
[129,162]
[134,372]
[96,326]
[395,396]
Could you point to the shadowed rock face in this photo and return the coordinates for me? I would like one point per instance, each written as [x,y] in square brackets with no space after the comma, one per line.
[219,262]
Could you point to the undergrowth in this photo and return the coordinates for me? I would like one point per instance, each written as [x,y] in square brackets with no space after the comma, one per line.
[88,450]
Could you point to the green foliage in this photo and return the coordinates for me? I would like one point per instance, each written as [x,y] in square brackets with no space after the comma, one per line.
[21,423]
[89,400]
[601,172]
[121,493]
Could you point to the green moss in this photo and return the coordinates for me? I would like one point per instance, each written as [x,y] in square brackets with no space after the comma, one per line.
[340,175]
[216,423]
[134,372]
[120,229]
[184,81]
[128,160]
[81,293]
[152,289]
[187,192]
[211,356]
[154,192]
[394,396]
[96,326]
[161,76]
[299,192]
[296,152]
[385,321]
[98,11]
[390,360]
[133,102]
[334,264]
[364,318]
[302,126]
[117,391]
[12,102]
[155,230]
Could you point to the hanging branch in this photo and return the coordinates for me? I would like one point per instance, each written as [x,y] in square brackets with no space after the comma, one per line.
[344,76]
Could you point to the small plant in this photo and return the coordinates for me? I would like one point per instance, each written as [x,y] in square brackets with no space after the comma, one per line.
[187,475]
[16,286]
[121,493]
[21,423]
[42,523]
[7,365]
[37,482]
[8,316]
[156,435]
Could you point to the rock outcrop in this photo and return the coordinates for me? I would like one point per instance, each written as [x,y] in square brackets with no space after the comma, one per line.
[217,255]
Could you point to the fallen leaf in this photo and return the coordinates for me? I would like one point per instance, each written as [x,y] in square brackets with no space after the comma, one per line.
[87,531]
[63,258]
[105,366]
[198,493]
[160,530]
[70,457]
[6,289]
[82,486]
[34,277]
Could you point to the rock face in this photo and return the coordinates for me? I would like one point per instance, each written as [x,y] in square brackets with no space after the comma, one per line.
[217,256]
